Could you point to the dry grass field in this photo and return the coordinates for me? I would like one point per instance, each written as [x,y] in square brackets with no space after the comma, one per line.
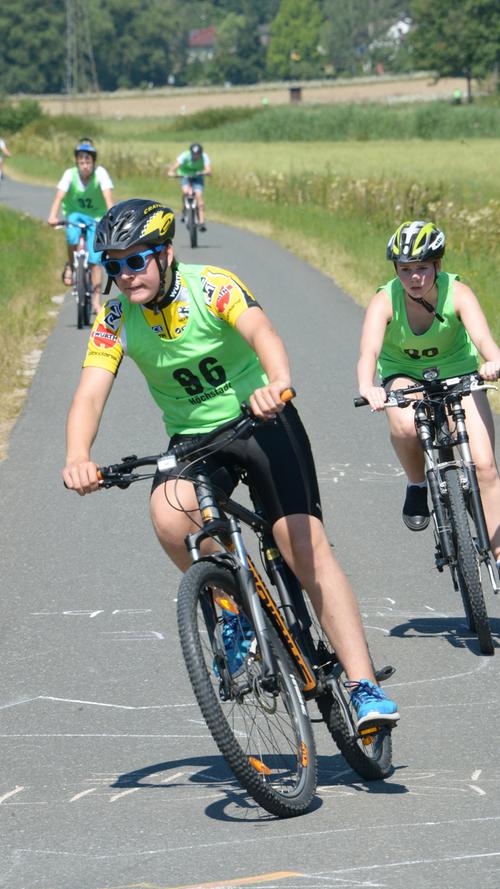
[169,102]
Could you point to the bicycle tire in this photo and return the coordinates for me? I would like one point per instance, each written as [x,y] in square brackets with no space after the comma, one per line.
[371,758]
[87,309]
[192,226]
[80,292]
[267,741]
[468,575]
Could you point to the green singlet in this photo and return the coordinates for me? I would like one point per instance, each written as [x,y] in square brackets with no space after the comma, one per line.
[89,200]
[199,379]
[445,345]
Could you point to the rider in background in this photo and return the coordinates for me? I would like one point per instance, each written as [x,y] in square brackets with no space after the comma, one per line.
[85,193]
[423,318]
[4,152]
[192,165]
[204,345]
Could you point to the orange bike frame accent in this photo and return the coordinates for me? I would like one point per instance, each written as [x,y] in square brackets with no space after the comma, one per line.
[270,604]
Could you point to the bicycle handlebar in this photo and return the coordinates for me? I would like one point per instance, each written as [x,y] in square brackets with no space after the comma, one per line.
[120,474]
[459,385]
[64,223]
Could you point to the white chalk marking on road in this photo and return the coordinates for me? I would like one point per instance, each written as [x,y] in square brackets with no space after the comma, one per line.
[115,706]
[123,793]
[475,775]
[483,665]
[11,793]
[477,789]
[83,793]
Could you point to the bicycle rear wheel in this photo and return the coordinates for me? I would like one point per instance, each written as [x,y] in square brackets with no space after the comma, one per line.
[467,571]
[266,739]
[80,292]
[370,755]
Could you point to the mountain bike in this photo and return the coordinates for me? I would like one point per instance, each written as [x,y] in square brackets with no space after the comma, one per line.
[190,211]
[257,715]
[461,537]
[82,280]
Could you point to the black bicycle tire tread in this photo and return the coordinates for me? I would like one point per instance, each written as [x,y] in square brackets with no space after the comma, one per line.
[193,231]
[365,766]
[80,292]
[196,577]
[87,313]
[467,564]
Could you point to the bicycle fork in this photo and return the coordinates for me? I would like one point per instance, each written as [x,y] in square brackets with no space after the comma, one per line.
[236,557]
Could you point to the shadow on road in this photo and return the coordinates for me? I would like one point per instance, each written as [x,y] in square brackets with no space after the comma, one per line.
[453,630]
[212,773]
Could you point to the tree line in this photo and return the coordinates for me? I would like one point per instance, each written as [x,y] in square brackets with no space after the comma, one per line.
[128,45]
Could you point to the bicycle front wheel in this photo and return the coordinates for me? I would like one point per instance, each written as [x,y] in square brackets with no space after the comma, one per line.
[81,292]
[87,311]
[192,226]
[468,575]
[266,738]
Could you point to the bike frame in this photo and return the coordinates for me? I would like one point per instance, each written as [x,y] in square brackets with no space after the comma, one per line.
[227,531]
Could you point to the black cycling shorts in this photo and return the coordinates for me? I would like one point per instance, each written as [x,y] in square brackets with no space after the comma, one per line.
[278,461]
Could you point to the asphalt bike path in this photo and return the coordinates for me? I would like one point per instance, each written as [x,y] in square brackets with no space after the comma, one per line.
[109,776]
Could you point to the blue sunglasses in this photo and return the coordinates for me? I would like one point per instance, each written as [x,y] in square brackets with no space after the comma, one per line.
[136,262]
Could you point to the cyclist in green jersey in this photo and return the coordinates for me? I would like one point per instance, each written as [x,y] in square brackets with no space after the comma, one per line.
[204,346]
[193,165]
[85,193]
[423,318]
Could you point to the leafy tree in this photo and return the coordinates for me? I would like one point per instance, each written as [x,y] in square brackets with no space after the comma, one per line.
[239,54]
[32,37]
[456,39]
[295,37]
[355,33]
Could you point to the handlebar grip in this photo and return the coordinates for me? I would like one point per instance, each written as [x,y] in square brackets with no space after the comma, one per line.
[100,475]
[288,394]
[360,402]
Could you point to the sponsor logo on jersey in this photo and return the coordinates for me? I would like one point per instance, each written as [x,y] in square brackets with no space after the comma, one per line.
[113,314]
[223,298]
[103,337]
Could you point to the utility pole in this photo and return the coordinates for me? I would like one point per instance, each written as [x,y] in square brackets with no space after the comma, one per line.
[81,74]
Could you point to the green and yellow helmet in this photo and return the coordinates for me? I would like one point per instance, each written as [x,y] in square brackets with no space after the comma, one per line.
[416,241]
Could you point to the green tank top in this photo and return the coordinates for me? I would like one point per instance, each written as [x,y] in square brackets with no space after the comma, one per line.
[89,200]
[190,167]
[446,345]
[199,379]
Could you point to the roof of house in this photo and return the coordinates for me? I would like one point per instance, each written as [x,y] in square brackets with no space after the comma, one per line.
[202,36]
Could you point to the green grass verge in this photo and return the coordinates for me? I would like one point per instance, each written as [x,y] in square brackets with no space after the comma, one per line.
[31,257]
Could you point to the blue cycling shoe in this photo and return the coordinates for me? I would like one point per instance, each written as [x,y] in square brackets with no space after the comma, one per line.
[237,636]
[372,706]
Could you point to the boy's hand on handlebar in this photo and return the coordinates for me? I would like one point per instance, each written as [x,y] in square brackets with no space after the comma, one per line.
[376,396]
[490,370]
[81,477]
[266,401]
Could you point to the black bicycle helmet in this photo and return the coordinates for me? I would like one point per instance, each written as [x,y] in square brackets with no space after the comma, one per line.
[88,147]
[196,149]
[416,241]
[135,221]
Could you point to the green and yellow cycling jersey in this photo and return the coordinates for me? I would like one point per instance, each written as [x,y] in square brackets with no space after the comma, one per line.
[197,366]
[445,345]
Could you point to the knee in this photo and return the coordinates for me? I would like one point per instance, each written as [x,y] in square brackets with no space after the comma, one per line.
[487,472]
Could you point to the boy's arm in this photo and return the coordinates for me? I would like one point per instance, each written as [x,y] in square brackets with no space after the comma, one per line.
[256,328]
[80,472]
